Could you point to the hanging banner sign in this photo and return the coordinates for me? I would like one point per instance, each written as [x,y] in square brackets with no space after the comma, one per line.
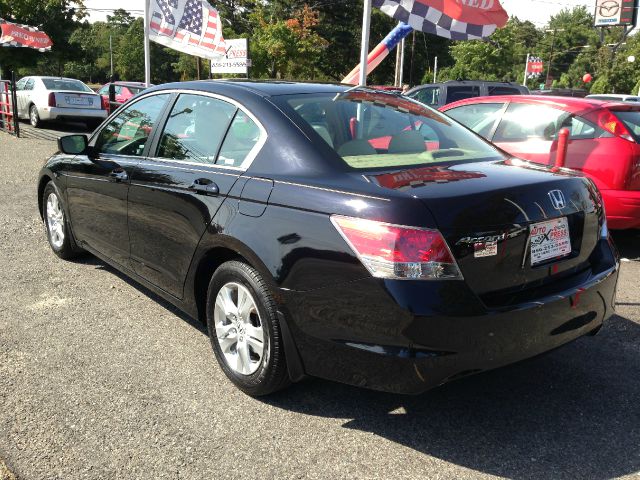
[611,13]
[235,60]
[17,35]
[189,26]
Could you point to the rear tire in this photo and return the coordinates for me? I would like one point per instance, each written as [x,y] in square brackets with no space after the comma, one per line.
[34,118]
[244,330]
[59,234]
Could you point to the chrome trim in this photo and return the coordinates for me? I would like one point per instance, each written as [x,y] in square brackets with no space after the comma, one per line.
[332,190]
[239,172]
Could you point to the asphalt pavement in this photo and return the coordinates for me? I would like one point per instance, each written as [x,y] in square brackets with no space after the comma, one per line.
[101,379]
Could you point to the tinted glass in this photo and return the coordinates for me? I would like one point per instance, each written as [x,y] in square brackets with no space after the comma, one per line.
[429,96]
[581,129]
[479,117]
[195,128]
[522,122]
[128,132]
[460,93]
[65,84]
[136,90]
[240,140]
[391,130]
[494,91]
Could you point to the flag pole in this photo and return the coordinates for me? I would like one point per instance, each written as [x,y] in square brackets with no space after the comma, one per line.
[147,54]
[364,50]
[526,70]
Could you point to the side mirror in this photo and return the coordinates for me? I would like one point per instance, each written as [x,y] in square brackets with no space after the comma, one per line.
[73,144]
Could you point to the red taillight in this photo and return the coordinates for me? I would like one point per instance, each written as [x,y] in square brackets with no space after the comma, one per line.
[52,100]
[612,124]
[394,251]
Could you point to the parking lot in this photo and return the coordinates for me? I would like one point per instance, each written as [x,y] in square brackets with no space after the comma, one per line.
[99,378]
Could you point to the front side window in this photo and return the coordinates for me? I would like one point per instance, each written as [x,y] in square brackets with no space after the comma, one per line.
[20,84]
[29,84]
[522,122]
[379,130]
[128,132]
[479,117]
[67,84]
[195,128]
[429,96]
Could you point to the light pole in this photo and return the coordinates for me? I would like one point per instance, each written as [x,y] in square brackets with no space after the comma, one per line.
[553,41]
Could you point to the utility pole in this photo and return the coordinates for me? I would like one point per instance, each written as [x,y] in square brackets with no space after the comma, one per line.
[435,70]
[553,42]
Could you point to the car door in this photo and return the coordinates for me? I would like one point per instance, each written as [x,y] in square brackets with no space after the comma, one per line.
[528,131]
[482,118]
[98,183]
[23,90]
[200,154]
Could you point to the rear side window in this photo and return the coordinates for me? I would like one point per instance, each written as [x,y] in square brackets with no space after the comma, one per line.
[429,96]
[195,128]
[581,129]
[500,90]
[479,117]
[522,122]
[461,92]
[243,135]
[29,84]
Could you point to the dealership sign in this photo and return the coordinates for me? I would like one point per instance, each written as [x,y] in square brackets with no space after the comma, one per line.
[235,60]
[615,12]
[16,35]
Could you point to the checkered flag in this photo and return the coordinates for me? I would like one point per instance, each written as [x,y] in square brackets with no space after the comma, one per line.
[464,22]
[19,35]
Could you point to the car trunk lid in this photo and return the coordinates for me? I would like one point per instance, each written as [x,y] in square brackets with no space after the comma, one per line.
[491,213]
[74,99]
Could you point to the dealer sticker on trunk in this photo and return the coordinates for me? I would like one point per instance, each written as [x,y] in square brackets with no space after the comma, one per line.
[549,240]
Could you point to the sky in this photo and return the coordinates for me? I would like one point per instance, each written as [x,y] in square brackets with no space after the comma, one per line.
[537,11]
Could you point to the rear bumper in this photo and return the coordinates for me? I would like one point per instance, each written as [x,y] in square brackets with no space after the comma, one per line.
[623,208]
[408,337]
[80,114]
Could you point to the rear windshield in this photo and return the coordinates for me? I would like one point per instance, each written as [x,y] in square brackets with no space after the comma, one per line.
[631,120]
[136,90]
[380,130]
[65,84]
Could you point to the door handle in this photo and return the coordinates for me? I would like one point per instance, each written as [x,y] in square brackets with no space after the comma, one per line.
[118,175]
[204,186]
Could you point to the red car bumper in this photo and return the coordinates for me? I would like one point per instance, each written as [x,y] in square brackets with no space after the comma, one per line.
[623,208]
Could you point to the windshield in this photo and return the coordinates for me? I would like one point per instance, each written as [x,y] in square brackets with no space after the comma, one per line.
[371,129]
[65,84]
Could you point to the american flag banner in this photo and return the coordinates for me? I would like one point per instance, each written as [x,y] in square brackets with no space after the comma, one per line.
[453,19]
[189,26]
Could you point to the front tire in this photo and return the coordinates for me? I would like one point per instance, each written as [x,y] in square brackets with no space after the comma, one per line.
[59,234]
[34,118]
[244,329]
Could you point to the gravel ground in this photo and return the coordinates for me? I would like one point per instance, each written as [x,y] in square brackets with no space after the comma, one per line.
[101,379]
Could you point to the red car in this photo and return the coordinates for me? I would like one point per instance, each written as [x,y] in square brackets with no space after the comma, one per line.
[604,141]
[124,91]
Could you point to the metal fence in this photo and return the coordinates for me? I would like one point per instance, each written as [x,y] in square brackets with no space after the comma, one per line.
[9,107]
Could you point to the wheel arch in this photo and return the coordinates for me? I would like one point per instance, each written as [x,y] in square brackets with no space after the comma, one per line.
[44,180]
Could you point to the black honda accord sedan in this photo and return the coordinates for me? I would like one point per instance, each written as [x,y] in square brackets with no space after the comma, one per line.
[336,232]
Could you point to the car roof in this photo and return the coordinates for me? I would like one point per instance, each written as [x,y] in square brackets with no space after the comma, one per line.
[262,87]
[570,104]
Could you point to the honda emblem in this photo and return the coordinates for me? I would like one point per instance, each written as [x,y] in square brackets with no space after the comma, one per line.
[557,199]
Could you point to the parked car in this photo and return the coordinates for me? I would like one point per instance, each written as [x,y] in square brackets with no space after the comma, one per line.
[123,92]
[42,99]
[603,142]
[265,210]
[437,95]
[614,97]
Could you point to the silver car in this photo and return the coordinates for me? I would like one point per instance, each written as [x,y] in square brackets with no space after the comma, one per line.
[55,98]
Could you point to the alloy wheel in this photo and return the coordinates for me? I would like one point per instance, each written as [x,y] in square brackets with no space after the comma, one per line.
[239,329]
[55,220]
